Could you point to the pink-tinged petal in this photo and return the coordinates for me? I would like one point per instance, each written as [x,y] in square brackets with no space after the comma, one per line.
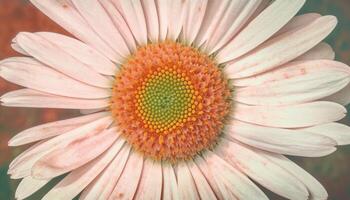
[103,185]
[18,48]
[130,178]
[24,153]
[338,132]
[163,9]
[322,51]
[281,49]
[135,18]
[81,52]
[230,180]
[263,5]
[342,97]
[203,187]
[260,29]
[185,183]
[282,141]
[50,54]
[194,18]
[36,99]
[292,70]
[52,129]
[19,169]
[298,22]
[170,189]
[236,16]
[309,85]
[95,15]
[263,171]
[119,23]
[30,73]
[29,186]
[150,186]
[65,14]
[176,18]
[316,190]
[26,160]
[151,17]
[74,154]
[291,116]
[79,179]
[213,14]
[220,191]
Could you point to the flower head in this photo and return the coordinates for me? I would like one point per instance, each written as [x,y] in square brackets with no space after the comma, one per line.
[180,99]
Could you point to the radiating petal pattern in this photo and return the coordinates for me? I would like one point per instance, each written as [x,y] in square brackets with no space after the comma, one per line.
[293,44]
[282,94]
[279,12]
[283,141]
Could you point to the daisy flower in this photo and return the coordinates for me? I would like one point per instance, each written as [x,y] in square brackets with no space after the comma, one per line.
[180,99]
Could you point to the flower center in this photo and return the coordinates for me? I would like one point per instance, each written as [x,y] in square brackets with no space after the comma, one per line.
[166,100]
[169,101]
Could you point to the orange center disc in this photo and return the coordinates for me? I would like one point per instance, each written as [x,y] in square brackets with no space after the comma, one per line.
[169,101]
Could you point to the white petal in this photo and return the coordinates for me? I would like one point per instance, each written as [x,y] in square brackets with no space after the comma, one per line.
[322,51]
[263,5]
[29,186]
[298,22]
[338,132]
[28,72]
[204,190]
[66,15]
[176,18]
[281,49]
[291,70]
[18,48]
[185,183]
[103,185]
[77,180]
[119,23]
[135,18]
[291,116]
[74,154]
[81,52]
[129,180]
[309,85]
[95,15]
[194,19]
[231,180]
[163,11]
[263,171]
[283,141]
[170,189]
[214,12]
[260,29]
[236,16]
[151,17]
[52,55]
[316,190]
[36,99]
[52,129]
[150,186]
[220,191]
[26,160]
[23,154]
[342,97]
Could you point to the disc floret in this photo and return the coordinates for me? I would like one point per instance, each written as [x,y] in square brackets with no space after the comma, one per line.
[170,100]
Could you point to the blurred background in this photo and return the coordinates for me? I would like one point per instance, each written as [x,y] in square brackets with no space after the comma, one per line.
[19,15]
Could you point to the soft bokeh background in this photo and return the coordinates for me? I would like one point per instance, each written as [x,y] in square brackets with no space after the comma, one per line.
[19,15]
